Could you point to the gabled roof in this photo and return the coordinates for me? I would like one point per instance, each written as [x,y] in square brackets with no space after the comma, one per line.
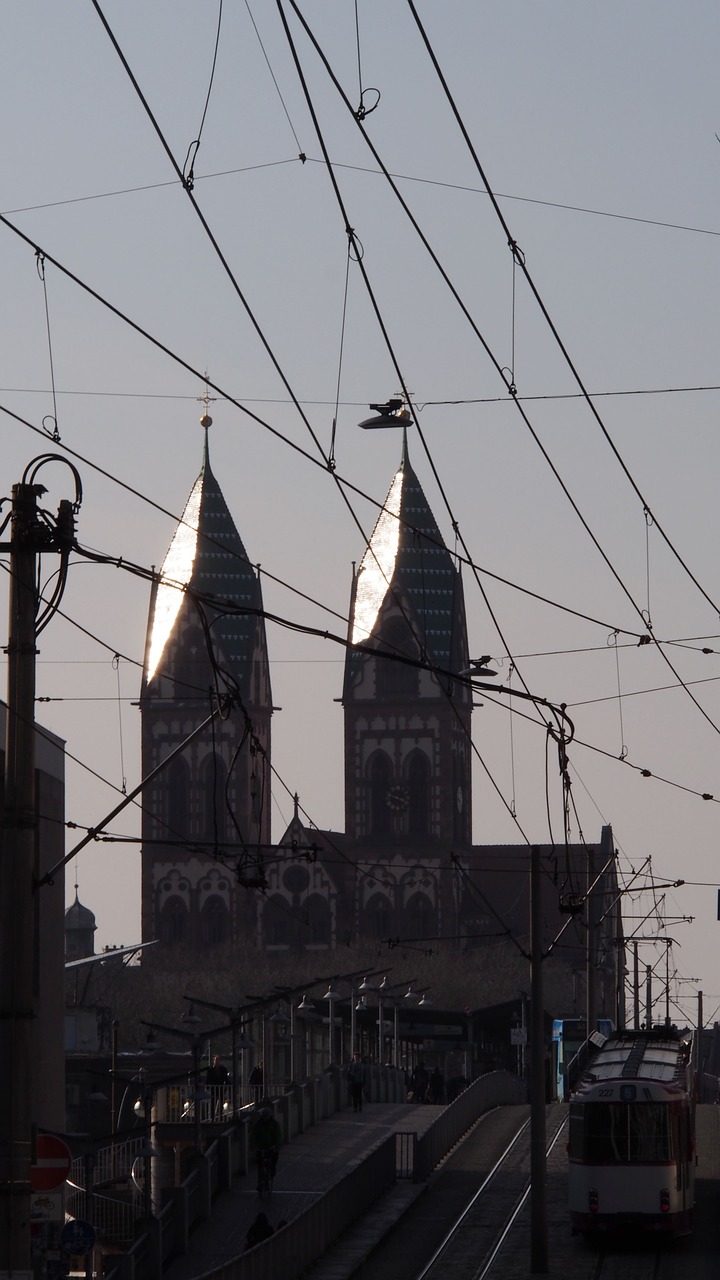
[207,555]
[407,558]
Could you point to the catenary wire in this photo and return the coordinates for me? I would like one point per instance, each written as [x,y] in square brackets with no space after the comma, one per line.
[520,258]
[484,344]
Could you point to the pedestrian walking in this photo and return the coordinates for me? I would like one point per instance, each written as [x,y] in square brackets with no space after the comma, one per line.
[256,1080]
[356,1081]
[216,1079]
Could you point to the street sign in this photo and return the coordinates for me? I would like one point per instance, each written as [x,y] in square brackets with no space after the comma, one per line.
[53,1163]
[46,1206]
[77,1237]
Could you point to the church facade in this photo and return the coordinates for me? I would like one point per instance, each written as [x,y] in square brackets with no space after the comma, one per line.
[404,871]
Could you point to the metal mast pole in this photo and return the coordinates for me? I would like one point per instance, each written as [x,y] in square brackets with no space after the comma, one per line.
[18,979]
[538,1194]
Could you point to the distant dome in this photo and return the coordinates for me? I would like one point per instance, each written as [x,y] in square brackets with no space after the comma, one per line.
[79,917]
[79,929]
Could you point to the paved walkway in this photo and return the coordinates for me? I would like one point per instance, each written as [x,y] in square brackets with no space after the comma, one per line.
[312,1163]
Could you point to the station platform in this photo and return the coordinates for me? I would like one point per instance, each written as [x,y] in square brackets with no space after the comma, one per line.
[308,1167]
[314,1161]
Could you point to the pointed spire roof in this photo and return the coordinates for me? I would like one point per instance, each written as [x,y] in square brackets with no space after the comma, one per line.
[406,557]
[207,555]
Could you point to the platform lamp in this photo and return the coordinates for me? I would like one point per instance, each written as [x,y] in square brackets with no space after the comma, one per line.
[411,996]
[366,988]
[383,989]
[306,1011]
[332,996]
[279,1021]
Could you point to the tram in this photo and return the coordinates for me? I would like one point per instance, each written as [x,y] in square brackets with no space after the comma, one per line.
[632,1137]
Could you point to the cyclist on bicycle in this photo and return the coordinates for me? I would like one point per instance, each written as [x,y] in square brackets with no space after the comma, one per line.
[266,1135]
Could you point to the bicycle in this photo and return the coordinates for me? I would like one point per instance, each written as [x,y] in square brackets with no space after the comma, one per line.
[266,1160]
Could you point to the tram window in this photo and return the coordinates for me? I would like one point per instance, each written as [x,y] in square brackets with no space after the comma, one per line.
[618,1133]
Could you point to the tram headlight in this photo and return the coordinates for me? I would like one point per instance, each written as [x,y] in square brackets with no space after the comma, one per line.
[664,1200]
[593,1200]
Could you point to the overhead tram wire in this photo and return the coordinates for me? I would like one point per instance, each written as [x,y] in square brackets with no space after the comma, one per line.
[301,156]
[276,364]
[327,459]
[207,229]
[369,289]
[520,257]
[231,277]
[265,424]
[147,573]
[358,168]
[238,404]
[188,174]
[482,340]
[119,563]
[499,368]
[360,404]
[637,636]
[187,187]
[469,563]
[229,607]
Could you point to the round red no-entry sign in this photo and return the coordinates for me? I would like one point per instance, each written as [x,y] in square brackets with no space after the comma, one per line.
[52,1163]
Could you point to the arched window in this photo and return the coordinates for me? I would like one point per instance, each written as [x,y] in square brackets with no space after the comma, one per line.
[378,918]
[419,787]
[214,922]
[380,774]
[192,672]
[277,922]
[396,678]
[176,816]
[420,917]
[214,819]
[174,919]
[317,912]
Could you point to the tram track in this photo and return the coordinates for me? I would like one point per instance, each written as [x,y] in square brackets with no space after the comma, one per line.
[473,1221]
[473,1243]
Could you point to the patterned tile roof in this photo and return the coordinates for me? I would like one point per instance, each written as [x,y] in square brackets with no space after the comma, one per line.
[207,554]
[406,556]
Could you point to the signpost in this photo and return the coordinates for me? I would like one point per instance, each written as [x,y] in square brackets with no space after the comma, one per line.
[53,1163]
[77,1237]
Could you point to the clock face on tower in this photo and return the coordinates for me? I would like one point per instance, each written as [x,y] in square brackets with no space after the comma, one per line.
[397,797]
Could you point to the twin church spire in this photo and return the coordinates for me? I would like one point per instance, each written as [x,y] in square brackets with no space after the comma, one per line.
[407,722]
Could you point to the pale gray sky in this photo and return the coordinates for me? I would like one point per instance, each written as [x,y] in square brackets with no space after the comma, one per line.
[595,126]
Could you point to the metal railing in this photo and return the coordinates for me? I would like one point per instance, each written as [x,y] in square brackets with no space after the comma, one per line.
[294,1248]
[498,1088]
[405,1143]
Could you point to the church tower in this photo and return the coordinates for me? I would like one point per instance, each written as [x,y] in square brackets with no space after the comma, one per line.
[407,720]
[206,816]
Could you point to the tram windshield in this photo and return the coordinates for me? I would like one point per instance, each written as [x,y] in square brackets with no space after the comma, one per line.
[622,1133]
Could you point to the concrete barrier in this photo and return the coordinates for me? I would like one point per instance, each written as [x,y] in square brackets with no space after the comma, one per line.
[497,1088]
[290,1251]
